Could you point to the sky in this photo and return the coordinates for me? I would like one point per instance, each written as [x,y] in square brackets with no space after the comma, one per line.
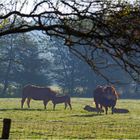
[29,5]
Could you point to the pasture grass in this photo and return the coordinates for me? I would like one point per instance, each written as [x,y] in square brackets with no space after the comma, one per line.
[70,124]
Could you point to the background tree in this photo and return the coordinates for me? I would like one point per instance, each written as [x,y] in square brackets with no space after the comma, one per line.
[74,77]
[70,73]
[45,62]
[31,63]
[21,62]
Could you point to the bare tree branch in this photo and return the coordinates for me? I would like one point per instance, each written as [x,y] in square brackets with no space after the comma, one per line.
[107,31]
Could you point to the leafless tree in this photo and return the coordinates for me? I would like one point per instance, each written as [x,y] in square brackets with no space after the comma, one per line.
[103,33]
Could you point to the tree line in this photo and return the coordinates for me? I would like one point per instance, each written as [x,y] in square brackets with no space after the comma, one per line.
[27,59]
[104,34]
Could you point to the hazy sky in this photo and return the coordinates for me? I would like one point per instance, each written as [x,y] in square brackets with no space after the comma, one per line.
[29,5]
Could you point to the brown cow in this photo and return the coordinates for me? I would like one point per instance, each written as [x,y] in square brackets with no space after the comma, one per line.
[105,96]
[62,99]
[37,93]
[91,109]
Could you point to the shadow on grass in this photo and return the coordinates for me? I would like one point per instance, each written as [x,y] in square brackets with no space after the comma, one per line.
[24,109]
[87,115]
[116,110]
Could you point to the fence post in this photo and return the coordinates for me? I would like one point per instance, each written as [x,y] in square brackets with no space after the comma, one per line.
[6,128]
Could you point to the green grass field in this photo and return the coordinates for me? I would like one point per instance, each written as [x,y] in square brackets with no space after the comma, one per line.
[66,124]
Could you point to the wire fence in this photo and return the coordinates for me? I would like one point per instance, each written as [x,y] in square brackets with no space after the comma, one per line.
[73,130]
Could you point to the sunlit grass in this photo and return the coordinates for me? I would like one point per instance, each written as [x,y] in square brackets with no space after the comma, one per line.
[76,124]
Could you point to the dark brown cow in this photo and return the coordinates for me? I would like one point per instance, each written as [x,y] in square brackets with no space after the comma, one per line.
[91,109]
[37,93]
[105,96]
[62,99]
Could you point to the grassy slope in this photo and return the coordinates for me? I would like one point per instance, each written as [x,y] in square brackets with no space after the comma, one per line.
[39,123]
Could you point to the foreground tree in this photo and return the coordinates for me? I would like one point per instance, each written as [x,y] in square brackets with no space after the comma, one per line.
[106,32]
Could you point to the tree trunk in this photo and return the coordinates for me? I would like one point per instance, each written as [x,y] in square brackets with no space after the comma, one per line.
[6,79]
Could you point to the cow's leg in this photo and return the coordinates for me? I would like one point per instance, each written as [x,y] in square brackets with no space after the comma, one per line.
[70,106]
[112,108]
[101,107]
[45,103]
[28,102]
[96,104]
[97,107]
[54,106]
[22,102]
[106,109]
[65,105]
